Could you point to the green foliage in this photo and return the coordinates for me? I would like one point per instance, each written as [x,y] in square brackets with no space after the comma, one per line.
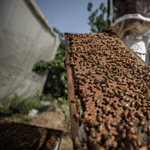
[26,105]
[47,97]
[53,107]
[96,18]
[29,104]
[56,69]
[90,6]
[41,66]
[5,102]
[9,103]
[15,100]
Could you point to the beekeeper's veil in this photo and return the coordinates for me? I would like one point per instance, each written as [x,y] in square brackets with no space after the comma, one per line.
[129,17]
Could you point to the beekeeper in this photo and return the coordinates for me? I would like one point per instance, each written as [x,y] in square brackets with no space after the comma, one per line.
[130,19]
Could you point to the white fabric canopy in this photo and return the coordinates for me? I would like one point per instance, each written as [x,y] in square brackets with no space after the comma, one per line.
[25,38]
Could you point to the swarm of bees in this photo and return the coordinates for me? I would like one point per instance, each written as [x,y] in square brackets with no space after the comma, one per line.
[113,87]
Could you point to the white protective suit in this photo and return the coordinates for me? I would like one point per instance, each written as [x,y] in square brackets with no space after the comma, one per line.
[140,45]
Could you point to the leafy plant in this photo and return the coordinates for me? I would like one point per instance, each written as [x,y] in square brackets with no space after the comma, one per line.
[5,104]
[29,104]
[15,100]
[96,18]
[56,69]
[53,107]
[23,106]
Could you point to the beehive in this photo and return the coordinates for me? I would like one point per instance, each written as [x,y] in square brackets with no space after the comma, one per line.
[22,136]
[112,83]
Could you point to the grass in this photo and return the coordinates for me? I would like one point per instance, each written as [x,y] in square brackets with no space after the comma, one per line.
[26,105]
[29,104]
[5,102]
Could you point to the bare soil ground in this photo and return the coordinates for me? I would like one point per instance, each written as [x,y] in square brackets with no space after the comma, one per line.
[50,119]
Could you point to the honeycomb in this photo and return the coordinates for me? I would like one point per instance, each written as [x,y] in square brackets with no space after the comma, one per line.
[112,84]
[16,136]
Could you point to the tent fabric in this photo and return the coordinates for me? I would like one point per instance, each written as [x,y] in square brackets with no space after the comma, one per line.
[25,39]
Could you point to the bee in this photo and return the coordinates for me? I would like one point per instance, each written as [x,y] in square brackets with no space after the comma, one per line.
[86,128]
[115,106]
[77,77]
[121,94]
[91,82]
[115,91]
[107,100]
[120,127]
[72,63]
[126,106]
[114,144]
[78,108]
[103,85]
[98,87]
[99,118]
[131,124]
[132,130]
[86,99]
[134,142]
[100,127]
[104,116]
[95,98]
[96,123]
[97,101]
[123,133]
[77,143]
[84,80]
[139,115]
[66,96]
[122,145]
[132,104]
[74,100]
[98,139]
[104,89]
[93,132]
[142,123]
[108,126]
[108,142]
[125,113]
[120,105]
[77,116]
[114,124]
[83,95]
[87,118]
[84,146]
[148,130]
[141,96]
[130,112]
[148,115]
[135,120]
[65,77]
[144,128]
[96,81]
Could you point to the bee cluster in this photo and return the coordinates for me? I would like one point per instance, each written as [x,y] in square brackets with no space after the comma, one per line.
[113,87]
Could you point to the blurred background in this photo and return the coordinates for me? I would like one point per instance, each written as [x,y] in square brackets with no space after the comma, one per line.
[32,77]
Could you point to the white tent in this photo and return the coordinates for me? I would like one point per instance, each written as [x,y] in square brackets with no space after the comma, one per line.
[25,38]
